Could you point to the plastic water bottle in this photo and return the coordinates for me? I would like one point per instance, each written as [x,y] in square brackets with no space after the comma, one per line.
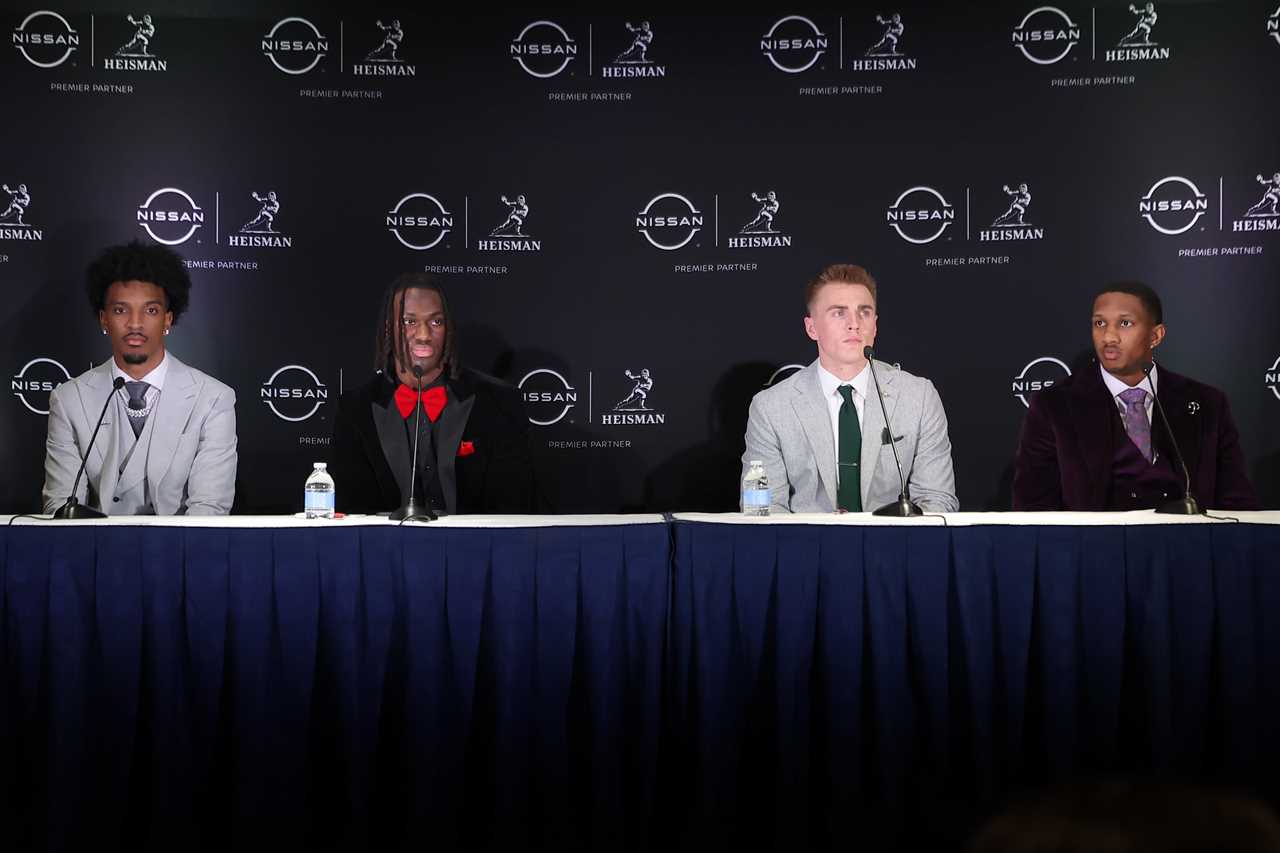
[318,494]
[755,490]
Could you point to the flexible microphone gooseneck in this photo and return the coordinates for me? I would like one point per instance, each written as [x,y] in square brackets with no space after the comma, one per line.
[411,510]
[1187,504]
[902,507]
[73,509]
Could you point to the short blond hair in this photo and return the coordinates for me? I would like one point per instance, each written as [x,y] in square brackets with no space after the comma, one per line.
[839,274]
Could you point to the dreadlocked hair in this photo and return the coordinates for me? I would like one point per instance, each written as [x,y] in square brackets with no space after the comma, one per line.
[391,347]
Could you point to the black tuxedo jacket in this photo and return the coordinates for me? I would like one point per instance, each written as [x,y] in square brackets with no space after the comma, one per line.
[1067,446]
[482,448]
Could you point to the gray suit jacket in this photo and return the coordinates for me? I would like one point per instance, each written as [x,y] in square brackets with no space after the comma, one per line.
[190,467]
[789,429]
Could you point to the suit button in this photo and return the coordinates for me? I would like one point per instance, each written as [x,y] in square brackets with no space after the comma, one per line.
[115,500]
[1164,494]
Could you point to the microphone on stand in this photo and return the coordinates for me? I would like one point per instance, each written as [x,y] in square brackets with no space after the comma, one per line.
[1187,504]
[73,509]
[902,507]
[411,510]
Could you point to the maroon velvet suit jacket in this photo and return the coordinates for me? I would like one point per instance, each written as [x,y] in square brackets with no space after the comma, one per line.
[1067,445]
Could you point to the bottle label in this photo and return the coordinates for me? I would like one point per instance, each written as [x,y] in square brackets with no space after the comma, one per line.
[755,497]
[319,500]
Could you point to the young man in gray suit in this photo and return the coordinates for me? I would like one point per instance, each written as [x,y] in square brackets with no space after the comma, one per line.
[820,432]
[167,445]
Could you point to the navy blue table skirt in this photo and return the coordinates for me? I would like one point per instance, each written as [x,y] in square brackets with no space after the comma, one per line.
[355,688]
[842,687]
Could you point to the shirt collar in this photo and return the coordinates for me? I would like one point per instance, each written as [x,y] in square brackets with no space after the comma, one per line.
[830,382]
[154,377]
[1116,387]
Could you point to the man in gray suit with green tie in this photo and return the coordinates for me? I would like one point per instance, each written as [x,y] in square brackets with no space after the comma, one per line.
[167,445]
[821,434]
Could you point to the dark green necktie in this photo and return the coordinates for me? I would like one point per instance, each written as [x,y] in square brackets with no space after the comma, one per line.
[849,492]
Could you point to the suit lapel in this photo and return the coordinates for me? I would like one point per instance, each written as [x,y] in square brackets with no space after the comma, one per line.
[453,421]
[92,396]
[815,419]
[873,426]
[392,442]
[106,448]
[166,424]
[1183,410]
[1093,414]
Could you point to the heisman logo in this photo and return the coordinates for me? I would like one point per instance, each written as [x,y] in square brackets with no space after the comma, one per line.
[422,217]
[136,55]
[261,231]
[543,49]
[294,393]
[920,215]
[1263,215]
[635,61]
[1012,224]
[1138,44]
[760,231]
[19,201]
[634,408]
[884,55]
[672,216]
[294,45]
[170,216]
[1173,205]
[384,60]
[1039,374]
[45,39]
[510,236]
[1046,35]
[35,381]
[794,44]
[548,396]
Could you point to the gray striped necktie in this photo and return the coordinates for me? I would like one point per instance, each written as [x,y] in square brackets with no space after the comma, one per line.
[137,405]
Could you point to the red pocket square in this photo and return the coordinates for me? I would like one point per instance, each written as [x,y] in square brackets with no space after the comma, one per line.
[466,448]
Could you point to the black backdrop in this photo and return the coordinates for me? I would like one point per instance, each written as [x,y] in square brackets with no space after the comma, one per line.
[366,165]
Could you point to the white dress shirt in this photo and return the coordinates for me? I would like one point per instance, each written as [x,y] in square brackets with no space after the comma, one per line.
[830,383]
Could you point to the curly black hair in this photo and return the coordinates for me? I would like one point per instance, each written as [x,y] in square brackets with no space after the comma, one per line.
[137,261]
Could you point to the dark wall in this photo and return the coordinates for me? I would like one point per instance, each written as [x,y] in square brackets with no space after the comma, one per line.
[589,297]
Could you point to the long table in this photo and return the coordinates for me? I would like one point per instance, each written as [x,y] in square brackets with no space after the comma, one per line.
[169,683]
[603,682]
[846,684]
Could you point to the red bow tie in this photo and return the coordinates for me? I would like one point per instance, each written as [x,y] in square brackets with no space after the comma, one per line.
[433,400]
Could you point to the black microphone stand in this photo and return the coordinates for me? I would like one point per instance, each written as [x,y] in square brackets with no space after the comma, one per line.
[1187,504]
[73,509]
[902,507]
[411,510]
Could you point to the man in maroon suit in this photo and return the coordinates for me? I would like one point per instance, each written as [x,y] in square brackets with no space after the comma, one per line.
[1097,442]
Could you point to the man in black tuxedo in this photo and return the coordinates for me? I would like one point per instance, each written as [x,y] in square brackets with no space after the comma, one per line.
[473,435]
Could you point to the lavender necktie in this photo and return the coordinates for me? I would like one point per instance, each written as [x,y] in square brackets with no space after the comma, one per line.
[1135,420]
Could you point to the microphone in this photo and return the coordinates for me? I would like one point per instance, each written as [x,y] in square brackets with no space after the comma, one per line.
[1187,504]
[73,509]
[902,507]
[411,510]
